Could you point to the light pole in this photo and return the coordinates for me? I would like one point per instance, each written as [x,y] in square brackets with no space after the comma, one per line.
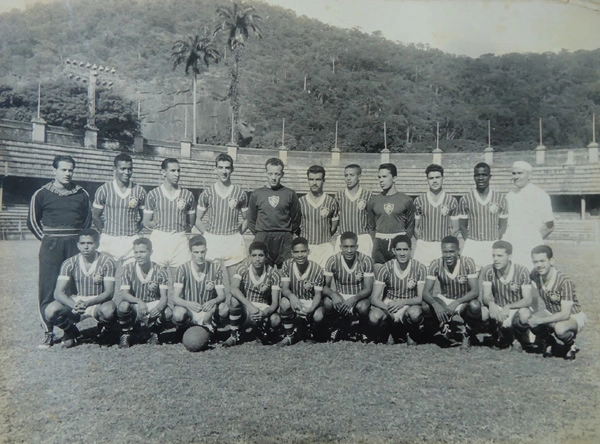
[92,75]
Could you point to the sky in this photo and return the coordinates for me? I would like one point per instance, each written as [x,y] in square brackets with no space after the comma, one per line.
[464,27]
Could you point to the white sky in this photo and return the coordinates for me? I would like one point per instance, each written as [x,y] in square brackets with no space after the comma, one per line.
[468,27]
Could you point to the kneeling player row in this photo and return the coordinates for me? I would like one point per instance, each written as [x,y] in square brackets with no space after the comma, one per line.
[303,301]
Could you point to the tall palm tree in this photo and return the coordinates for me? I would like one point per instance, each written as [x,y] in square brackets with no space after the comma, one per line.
[237,22]
[194,52]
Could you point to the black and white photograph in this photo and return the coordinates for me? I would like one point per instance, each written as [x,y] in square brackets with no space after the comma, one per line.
[285,221]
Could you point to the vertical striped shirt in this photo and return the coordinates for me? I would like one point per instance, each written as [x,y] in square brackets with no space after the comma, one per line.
[456,284]
[303,285]
[170,211]
[353,216]
[435,217]
[145,287]
[349,280]
[121,211]
[88,282]
[560,288]
[483,215]
[258,288]
[401,284]
[507,290]
[223,210]
[199,286]
[317,218]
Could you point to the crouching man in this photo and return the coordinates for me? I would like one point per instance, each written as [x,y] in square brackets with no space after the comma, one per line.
[144,288]
[562,318]
[84,289]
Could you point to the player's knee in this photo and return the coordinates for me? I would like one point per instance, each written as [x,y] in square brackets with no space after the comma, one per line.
[414,314]
[124,308]
[234,304]
[319,315]
[362,308]
[284,306]
[426,309]
[474,308]
[167,314]
[563,330]
[180,316]
[275,321]
[107,312]
[223,310]
[523,316]
[376,317]
[54,310]
[328,305]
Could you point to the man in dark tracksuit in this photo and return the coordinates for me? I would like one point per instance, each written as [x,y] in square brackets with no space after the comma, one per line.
[57,212]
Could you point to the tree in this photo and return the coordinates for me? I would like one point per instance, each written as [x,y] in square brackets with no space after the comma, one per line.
[238,22]
[194,52]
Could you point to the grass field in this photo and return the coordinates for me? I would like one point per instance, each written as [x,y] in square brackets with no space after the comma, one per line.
[332,393]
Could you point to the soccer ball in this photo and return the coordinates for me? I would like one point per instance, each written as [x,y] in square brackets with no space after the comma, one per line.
[196,339]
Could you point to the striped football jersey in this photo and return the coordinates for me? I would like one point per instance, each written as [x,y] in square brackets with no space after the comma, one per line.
[507,290]
[145,287]
[317,218]
[560,288]
[121,211]
[223,210]
[401,284]
[170,211]
[483,215]
[258,288]
[199,286]
[435,216]
[349,280]
[303,285]
[352,210]
[90,281]
[456,284]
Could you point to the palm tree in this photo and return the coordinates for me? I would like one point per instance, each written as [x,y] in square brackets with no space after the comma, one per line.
[237,22]
[194,52]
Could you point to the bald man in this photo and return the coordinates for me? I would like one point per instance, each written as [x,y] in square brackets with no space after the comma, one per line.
[530,218]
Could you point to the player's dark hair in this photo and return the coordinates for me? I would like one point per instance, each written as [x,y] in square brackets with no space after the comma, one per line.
[483,165]
[89,232]
[123,157]
[165,163]
[354,166]
[258,245]
[434,168]
[450,240]
[299,241]
[224,157]
[545,249]
[274,161]
[143,241]
[315,169]
[503,245]
[401,238]
[62,158]
[348,235]
[197,241]
[390,167]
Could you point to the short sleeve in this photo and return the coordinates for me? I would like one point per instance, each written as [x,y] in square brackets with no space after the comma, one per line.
[433,270]
[163,278]
[367,267]
[383,275]
[330,266]
[275,280]
[421,273]
[470,268]
[180,277]
[109,269]
[463,208]
[126,277]
[285,271]
[65,270]
[150,202]
[203,201]
[100,198]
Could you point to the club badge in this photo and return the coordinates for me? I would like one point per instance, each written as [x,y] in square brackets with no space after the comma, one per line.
[462,279]
[445,210]
[359,276]
[232,203]
[264,288]
[152,286]
[411,283]
[210,285]
[274,201]
[493,208]
[361,204]
[181,204]
[388,208]
[133,202]
[308,285]
[98,278]
[514,287]
[324,212]
[554,296]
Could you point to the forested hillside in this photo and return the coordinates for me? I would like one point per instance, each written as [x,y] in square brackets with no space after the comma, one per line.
[301,70]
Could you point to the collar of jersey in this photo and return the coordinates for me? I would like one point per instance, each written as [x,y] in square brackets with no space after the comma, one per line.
[227,193]
[198,275]
[509,276]
[297,272]
[118,191]
[318,203]
[550,284]
[140,274]
[50,187]
[456,269]
[398,271]
[92,268]
[169,195]
[354,198]
[438,203]
[357,260]
[483,201]
[253,278]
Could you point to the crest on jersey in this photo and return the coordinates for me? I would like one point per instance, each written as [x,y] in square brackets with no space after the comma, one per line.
[361,204]
[264,288]
[274,201]
[462,279]
[232,203]
[359,276]
[181,204]
[493,208]
[210,285]
[514,287]
[388,208]
[152,286]
[308,285]
[133,202]
[324,212]
[554,296]
[411,283]
[445,210]
[98,278]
